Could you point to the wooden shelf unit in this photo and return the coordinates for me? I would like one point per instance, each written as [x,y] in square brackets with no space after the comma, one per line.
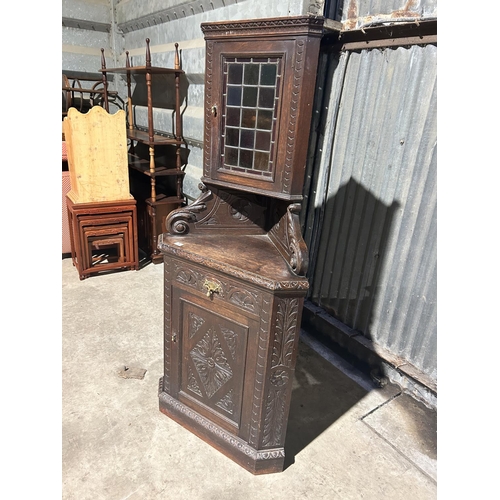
[157,205]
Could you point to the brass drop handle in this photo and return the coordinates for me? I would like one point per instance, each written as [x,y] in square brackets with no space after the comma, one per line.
[214,110]
[211,287]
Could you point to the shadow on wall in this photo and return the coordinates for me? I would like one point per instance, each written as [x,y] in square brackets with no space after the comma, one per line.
[345,290]
[163,96]
[163,90]
[345,272]
[344,279]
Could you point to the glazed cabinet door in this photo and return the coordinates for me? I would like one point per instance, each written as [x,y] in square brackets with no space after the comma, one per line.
[259,88]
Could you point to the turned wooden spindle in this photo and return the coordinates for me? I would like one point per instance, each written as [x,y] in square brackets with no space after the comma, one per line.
[178,121]
[129,92]
[177,64]
[104,80]
[148,53]
[152,172]
[149,94]
[152,167]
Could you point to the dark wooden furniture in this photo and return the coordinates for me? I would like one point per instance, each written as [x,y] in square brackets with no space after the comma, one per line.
[103,236]
[84,91]
[235,260]
[153,156]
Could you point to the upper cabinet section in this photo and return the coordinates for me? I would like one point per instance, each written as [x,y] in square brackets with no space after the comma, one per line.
[259,89]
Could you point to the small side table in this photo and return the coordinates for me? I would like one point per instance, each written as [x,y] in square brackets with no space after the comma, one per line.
[103,225]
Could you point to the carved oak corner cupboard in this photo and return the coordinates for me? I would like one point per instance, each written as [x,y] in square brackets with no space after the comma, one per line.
[234,260]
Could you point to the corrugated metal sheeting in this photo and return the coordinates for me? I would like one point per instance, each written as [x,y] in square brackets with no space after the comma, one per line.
[370,222]
[356,13]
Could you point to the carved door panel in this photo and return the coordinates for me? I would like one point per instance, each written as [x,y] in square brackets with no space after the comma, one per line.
[212,352]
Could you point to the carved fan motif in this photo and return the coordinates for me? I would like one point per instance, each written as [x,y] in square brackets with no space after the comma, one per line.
[227,402]
[195,323]
[230,338]
[192,384]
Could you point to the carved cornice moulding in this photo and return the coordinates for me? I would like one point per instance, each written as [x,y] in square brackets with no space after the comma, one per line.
[278,26]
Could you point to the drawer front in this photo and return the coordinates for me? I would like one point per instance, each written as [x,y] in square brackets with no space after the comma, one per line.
[217,287]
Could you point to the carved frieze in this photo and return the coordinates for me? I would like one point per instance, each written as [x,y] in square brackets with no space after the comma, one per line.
[262,27]
[257,280]
[226,437]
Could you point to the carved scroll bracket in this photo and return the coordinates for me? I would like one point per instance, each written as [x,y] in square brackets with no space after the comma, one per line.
[287,237]
[180,221]
[218,210]
[299,255]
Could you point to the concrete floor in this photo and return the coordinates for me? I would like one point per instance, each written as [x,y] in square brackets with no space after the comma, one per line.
[345,440]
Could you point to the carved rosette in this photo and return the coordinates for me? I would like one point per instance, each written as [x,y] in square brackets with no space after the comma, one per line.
[211,363]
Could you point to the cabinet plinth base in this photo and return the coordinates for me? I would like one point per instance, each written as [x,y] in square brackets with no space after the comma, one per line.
[255,461]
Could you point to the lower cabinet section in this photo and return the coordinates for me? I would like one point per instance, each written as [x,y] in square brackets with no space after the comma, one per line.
[256,461]
[230,349]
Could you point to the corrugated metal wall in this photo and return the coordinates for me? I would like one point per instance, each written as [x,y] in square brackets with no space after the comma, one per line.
[356,13]
[86,28]
[370,220]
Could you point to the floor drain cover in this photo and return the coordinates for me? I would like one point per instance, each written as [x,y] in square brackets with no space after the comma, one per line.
[131,372]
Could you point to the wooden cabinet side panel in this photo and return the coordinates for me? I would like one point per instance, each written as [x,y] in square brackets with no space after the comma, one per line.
[282,354]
